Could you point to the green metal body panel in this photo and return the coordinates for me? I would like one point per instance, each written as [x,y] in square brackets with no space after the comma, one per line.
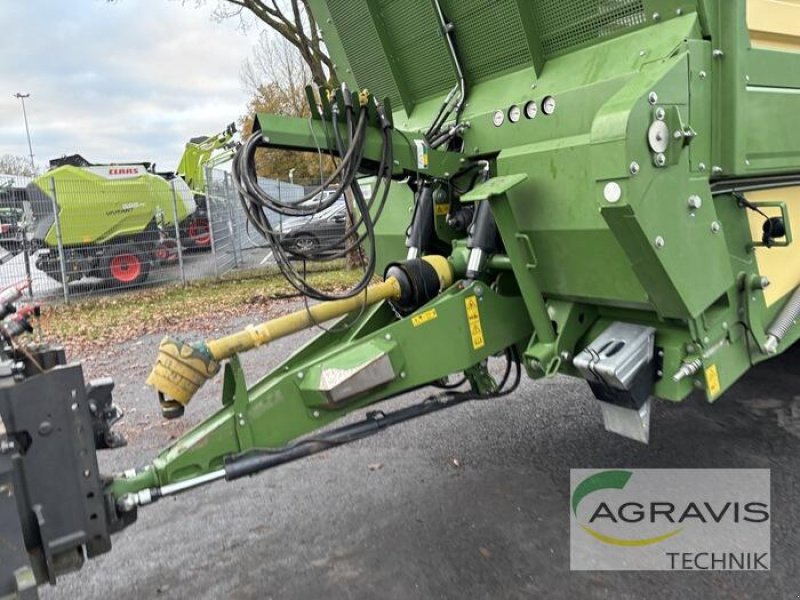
[600,221]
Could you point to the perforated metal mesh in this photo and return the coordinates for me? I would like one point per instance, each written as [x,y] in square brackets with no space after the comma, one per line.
[417,46]
[565,25]
[489,35]
[364,48]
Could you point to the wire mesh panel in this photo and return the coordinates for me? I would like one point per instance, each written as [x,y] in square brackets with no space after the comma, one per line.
[99,229]
[80,231]
[236,243]
[15,250]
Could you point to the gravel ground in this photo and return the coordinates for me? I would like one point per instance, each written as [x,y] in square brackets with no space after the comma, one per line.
[494,525]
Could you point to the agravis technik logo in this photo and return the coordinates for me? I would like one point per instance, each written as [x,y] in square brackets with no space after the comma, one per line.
[670,519]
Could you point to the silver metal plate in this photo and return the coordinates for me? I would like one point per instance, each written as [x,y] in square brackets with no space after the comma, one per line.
[628,422]
[340,385]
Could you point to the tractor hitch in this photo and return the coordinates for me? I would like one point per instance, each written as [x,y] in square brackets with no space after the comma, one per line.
[54,511]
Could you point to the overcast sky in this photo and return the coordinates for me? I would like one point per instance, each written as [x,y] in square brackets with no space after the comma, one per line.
[117,82]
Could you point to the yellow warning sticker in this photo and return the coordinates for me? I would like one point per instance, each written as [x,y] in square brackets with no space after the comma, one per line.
[422,318]
[474,320]
[441,209]
[712,380]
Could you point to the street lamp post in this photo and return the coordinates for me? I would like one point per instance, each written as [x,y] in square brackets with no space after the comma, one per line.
[27,130]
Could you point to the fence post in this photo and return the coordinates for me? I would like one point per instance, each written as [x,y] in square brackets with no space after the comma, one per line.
[177,232]
[210,216]
[62,259]
[233,230]
[26,252]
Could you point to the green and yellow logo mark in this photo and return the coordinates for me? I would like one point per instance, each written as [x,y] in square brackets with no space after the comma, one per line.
[611,480]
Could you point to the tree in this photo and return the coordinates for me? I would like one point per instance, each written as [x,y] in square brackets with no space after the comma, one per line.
[11,164]
[295,23]
[276,76]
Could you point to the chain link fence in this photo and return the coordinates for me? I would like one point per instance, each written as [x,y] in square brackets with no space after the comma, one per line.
[98,230]
[236,243]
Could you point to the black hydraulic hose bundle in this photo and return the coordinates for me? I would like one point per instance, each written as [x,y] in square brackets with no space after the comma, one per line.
[351,150]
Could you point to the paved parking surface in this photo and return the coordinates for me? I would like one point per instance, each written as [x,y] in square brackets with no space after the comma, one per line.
[496,526]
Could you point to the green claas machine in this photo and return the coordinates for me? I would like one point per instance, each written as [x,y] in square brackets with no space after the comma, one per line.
[116,219]
[605,189]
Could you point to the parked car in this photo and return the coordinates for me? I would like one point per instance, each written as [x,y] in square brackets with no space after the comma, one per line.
[306,235]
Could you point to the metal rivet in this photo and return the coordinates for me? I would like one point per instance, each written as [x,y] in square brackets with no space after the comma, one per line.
[695,202]
[717,53]
[656,16]
[702,74]
[402,374]
[659,242]
[315,414]
[612,192]
[660,114]
[652,97]
[716,170]
[300,375]
[634,168]
[387,337]
[661,160]
[715,227]
[702,166]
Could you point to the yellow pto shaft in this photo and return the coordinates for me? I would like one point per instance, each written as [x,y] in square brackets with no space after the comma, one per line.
[258,335]
[182,368]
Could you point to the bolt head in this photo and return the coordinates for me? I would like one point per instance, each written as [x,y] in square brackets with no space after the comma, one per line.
[695,202]
[661,159]
[660,114]
[660,242]
[715,227]
[634,168]
[652,97]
